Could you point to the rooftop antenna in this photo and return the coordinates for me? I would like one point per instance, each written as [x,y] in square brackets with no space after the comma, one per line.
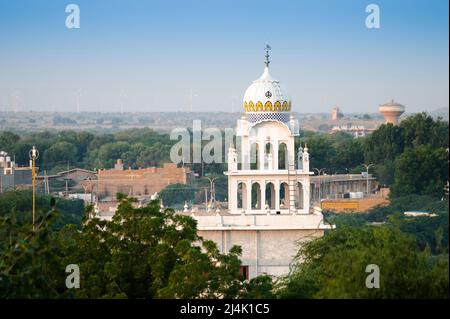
[267,48]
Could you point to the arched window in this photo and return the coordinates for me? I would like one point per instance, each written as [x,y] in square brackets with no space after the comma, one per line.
[268,155]
[242,196]
[284,196]
[256,196]
[299,196]
[270,196]
[254,156]
[282,156]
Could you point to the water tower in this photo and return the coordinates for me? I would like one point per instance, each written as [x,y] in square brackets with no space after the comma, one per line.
[391,111]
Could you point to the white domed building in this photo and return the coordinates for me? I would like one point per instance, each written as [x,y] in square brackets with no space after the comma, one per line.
[269,209]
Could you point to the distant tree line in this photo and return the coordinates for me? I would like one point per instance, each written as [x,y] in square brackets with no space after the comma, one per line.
[58,150]
[411,158]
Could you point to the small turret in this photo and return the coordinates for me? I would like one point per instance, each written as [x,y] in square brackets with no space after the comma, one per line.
[306,159]
[232,159]
[300,158]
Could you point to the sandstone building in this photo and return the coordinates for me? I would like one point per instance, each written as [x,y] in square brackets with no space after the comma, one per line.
[138,182]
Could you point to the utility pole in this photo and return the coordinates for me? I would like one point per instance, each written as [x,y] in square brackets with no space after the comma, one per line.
[446,190]
[320,172]
[97,193]
[92,190]
[367,177]
[212,191]
[14,169]
[67,179]
[447,184]
[34,154]
[46,186]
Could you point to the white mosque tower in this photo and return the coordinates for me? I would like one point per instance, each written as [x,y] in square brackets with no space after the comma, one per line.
[268,185]
[266,133]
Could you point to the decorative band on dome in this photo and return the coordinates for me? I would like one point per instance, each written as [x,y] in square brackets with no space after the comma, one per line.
[267,107]
[259,117]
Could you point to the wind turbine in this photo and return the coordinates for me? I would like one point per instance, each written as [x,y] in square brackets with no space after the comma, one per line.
[122,97]
[233,99]
[15,100]
[191,98]
[77,97]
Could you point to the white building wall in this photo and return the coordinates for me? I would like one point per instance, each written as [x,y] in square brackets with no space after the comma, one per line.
[264,251]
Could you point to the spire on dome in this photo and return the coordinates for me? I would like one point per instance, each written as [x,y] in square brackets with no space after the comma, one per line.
[267,48]
[265,99]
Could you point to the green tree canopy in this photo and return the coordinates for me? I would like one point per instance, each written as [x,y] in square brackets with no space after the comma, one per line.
[349,154]
[421,170]
[177,194]
[140,253]
[321,151]
[7,140]
[334,266]
[385,143]
[20,202]
[146,253]
[421,128]
[60,152]
[29,263]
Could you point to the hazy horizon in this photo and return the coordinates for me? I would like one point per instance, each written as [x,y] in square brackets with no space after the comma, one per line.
[237,112]
[149,56]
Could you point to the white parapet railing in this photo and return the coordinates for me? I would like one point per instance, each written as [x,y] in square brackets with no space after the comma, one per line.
[259,222]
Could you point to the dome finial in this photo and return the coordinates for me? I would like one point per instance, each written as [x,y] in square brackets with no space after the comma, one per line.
[267,48]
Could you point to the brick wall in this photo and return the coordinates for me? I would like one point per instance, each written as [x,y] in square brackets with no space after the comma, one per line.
[145,181]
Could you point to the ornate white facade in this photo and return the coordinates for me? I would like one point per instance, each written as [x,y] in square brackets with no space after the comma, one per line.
[268,180]
[268,185]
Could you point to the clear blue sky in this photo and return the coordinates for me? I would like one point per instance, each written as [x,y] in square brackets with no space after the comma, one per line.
[155,52]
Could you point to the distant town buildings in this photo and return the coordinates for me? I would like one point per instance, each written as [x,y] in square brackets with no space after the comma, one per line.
[138,182]
[12,176]
[355,130]
[391,111]
[419,214]
[336,113]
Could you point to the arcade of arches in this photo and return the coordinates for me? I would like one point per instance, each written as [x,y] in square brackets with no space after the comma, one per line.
[264,157]
[274,195]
